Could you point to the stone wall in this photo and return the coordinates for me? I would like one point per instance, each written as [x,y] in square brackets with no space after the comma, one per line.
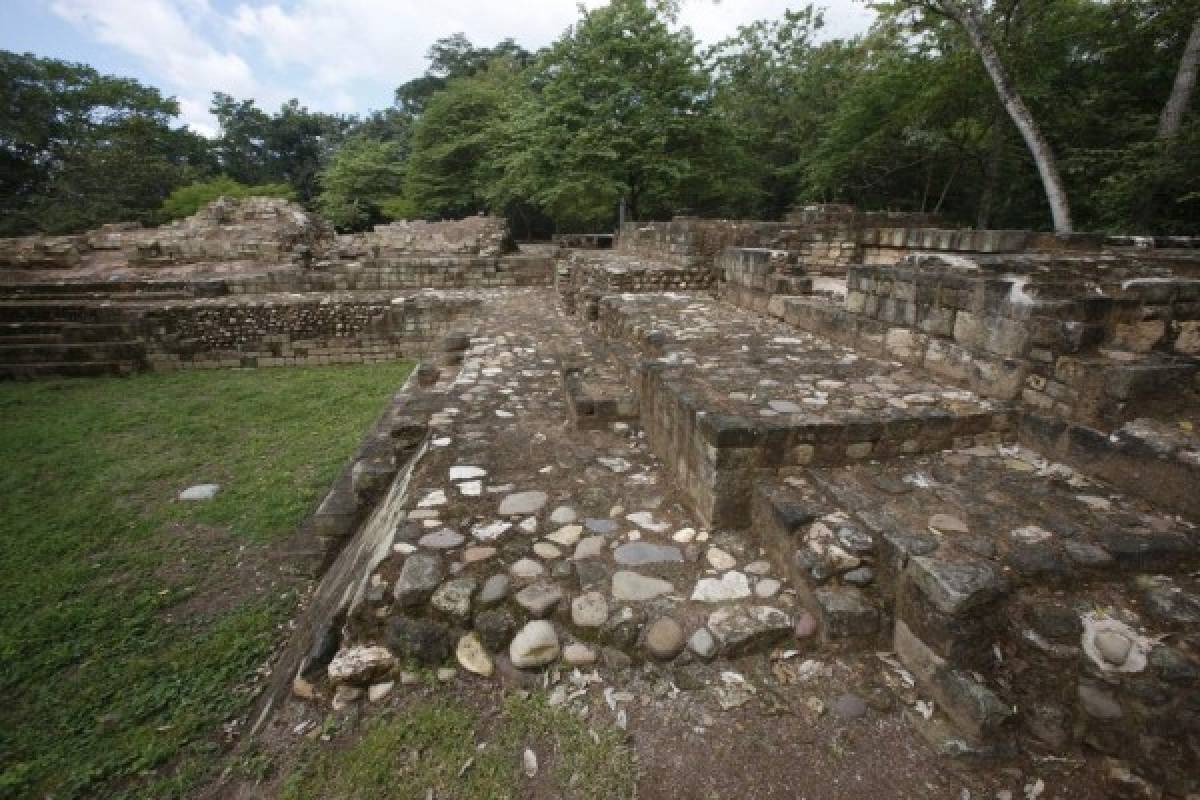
[405,272]
[481,235]
[584,278]
[286,330]
[1066,336]
[42,252]
[262,229]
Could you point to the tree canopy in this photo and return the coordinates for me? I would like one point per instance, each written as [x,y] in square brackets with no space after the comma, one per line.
[627,107]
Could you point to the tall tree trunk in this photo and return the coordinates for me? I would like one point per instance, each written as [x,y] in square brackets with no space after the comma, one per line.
[967,14]
[1181,93]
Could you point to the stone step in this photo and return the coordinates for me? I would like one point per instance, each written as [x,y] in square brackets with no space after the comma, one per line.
[830,560]
[49,311]
[49,332]
[85,369]
[25,353]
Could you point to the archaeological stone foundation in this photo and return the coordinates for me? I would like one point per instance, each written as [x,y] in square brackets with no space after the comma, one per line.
[841,434]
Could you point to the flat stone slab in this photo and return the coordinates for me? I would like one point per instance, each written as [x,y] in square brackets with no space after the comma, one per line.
[635,554]
[741,629]
[955,587]
[523,503]
[444,539]
[730,586]
[633,587]
[201,491]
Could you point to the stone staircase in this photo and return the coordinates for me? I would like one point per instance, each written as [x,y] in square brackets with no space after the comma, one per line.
[45,339]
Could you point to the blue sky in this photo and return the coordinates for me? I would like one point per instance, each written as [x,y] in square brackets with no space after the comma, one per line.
[333,55]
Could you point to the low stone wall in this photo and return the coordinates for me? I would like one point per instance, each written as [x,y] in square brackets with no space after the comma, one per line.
[583,279]
[473,236]
[1063,336]
[287,330]
[405,272]
[752,276]
[42,252]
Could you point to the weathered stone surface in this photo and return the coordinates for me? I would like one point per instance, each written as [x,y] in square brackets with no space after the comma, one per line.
[591,547]
[631,586]
[740,629]
[636,554]
[956,587]
[664,638]
[202,491]
[702,643]
[495,590]
[453,598]
[495,628]
[540,599]
[730,586]
[522,503]
[419,577]
[846,612]
[423,640]
[444,539]
[535,645]
[473,657]
[360,665]
[589,610]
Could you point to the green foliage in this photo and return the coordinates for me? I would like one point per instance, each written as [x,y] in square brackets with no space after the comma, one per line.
[187,200]
[617,109]
[454,57]
[78,148]
[107,673]
[425,747]
[457,142]
[290,146]
[361,184]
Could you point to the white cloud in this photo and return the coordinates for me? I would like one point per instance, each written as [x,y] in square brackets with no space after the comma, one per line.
[348,55]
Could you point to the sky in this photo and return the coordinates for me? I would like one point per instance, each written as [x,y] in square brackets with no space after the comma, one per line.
[341,56]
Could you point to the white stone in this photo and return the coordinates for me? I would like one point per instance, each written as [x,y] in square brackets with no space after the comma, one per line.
[466,473]
[491,531]
[644,519]
[767,587]
[535,645]
[591,547]
[567,536]
[435,498]
[630,586]
[719,559]
[563,515]
[732,585]
[378,691]
[360,664]
[201,491]
[684,535]
[471,488]
[472,656]
[523,503]
[529,525]
[546,550]
[589,610]
[527,568]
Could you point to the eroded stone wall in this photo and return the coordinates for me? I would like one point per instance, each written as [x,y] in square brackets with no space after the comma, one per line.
[292,330]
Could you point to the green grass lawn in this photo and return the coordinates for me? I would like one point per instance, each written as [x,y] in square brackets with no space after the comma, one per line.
[119,660]
[445,748]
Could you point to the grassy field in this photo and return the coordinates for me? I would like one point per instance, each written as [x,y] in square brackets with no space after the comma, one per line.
[132,624]
[445,749]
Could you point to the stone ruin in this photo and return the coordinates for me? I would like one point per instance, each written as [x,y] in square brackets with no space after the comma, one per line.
[960,466]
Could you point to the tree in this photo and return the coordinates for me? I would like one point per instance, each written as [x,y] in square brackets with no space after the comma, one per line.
[361,183]
[970,15]
[78,148]
[291,146]
[456,142]
[453,57]
[1171,121]
[616,110]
